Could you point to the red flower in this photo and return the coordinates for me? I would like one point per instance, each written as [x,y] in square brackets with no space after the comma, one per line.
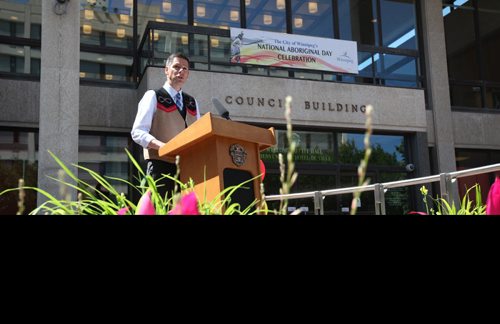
[493,200]
[188,205]
[262,169]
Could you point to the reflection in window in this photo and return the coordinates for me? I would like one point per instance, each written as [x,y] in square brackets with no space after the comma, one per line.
[397,200]
[493,97]
[312,18]
[18,159]
[307,75]
[461,44]
[366,203]
[397,70]
[472,158]
[358,21]
[19,59]
[465,95]
[220,49]
[257,70]
[106,156]
[220,53]
[199,48]
[312,147]
[16,15]
[470,33]
[489,27]
[305,182]
[217,13]
[266,15]
[106,26]
[386,149]
[170,11]
[166,43]
[365,69]
[398,23]
[105,66]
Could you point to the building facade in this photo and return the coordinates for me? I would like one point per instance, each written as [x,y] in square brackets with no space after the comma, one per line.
[72,73]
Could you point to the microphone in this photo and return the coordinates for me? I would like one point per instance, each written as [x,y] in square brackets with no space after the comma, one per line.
[220,108]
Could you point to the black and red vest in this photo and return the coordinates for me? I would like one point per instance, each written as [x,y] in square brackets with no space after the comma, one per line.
[169,120]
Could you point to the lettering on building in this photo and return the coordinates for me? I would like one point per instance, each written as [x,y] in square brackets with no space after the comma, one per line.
[338,107]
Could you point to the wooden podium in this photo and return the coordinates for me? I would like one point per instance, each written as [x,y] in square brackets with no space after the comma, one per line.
[218,153]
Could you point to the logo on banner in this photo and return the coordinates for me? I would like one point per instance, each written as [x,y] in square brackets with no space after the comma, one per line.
[345,58]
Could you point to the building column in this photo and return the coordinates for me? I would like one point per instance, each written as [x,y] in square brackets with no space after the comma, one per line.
[59,93]
[438,92]
[420,154]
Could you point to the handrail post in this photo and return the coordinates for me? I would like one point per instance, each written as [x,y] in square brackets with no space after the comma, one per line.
[379,199]
[318,203]
[445,185]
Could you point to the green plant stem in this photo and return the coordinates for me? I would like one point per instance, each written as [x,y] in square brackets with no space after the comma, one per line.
[289,177]
[364,163]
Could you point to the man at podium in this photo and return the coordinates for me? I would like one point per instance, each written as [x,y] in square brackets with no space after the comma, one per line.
[161,115]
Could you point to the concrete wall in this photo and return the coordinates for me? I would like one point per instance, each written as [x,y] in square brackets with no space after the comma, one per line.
[476,130]
[101,108]
[19,103]
[261,99]
[113,109]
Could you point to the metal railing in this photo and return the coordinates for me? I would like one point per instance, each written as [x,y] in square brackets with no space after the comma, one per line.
[446,185]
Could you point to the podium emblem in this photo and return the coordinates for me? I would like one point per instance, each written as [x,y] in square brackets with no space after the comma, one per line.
[238,154]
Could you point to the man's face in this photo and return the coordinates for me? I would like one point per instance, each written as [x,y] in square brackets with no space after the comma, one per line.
[177,72]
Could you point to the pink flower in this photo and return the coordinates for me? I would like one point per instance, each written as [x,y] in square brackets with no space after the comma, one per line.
[122,211]
[493,200]
[188,205]
[145,205]
[416,213]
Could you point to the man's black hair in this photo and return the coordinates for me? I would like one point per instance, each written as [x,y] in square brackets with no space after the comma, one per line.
[170,59]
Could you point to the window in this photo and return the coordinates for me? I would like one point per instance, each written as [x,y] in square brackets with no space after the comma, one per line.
[329,160]
[106,156]
[312,147]
[489,29]
[20,20]
[266,15]
[107,25]
[358,21]
[217,13]
[345,148]
[398,24]
[386,149]
[472,37]
[312,18]
[461,43]
[169,11]
[105,67]
[471,158]
[15,15]
[397,70]
[18,160]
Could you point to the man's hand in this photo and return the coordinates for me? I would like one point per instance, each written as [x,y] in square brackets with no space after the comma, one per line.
[155,144]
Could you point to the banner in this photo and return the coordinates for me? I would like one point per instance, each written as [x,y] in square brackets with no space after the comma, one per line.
[293,51]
